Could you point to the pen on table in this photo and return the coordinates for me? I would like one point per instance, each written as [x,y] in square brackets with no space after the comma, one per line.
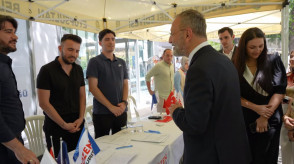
[122,147]
[152,131]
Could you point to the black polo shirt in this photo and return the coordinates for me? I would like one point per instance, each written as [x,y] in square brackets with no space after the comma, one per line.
[111,76]
[12,120]
[64,89]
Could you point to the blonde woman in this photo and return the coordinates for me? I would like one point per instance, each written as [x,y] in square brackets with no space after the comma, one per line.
[287,131]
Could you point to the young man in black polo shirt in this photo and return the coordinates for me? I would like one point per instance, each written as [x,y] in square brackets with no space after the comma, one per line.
[12,120]
[108,82]
[61,93]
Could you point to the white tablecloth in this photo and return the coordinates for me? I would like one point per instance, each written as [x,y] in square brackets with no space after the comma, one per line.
[169,151]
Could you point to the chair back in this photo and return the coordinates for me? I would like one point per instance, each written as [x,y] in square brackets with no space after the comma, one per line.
[132,103]
[33,131]
[88,112]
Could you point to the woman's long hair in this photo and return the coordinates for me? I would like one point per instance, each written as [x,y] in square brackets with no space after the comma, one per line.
[263,75]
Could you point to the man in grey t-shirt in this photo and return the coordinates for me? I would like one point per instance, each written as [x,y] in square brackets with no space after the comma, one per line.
[108,82]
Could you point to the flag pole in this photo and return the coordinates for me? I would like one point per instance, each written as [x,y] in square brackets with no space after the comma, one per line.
[61,153]
[52,146]
[86,123]
[86,128]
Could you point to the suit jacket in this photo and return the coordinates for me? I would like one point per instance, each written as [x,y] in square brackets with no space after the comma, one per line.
[234,52]
[212,121]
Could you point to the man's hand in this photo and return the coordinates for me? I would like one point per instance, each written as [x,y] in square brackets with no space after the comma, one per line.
[26,156]
[173,107]
[288,122]
[122,105]
[261,124]
[69,127]
[77,123]
[264,110]
[23,154]
[117,111]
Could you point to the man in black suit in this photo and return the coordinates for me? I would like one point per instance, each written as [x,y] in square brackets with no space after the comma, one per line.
[226,37]
[12,120]
[212,121]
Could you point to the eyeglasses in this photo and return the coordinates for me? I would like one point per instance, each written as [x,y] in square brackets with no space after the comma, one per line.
[172,34]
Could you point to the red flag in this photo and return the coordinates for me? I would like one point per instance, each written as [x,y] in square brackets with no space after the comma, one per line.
[170,100]
[165,119]
[51,152]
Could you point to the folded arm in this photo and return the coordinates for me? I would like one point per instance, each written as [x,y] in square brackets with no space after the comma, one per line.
[265,111]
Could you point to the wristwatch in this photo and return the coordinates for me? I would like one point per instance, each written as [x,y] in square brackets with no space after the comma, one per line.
[125,101]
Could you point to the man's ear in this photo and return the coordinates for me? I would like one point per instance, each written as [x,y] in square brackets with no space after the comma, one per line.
[60,48]
[189,33]
[100,43]
[233,37]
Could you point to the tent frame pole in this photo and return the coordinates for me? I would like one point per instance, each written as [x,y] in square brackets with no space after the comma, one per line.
[163,11]
[285,35]
[50,9]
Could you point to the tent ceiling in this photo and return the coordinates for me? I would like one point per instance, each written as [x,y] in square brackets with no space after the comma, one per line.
[128,17]
[268,21]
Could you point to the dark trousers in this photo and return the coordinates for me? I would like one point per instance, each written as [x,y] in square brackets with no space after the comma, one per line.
[265,146]
[8,156]
[104,122]
[52,129]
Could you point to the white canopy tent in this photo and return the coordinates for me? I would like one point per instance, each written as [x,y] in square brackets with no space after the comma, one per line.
[128,17]
[268,21]
[137,19]
[151,19]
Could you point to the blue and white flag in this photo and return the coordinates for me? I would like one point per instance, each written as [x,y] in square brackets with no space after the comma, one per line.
[86,149]
[63,154]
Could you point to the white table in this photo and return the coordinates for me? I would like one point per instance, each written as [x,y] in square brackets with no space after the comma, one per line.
[169,151]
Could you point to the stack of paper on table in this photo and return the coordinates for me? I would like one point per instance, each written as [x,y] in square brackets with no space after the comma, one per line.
[121,140]
[149,137]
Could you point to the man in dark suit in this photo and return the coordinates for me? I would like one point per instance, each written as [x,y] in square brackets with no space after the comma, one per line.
[212,121]
[12,120]
[226,37]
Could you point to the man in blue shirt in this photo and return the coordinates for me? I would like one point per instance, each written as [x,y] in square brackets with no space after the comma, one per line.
[108,82]
[12,120]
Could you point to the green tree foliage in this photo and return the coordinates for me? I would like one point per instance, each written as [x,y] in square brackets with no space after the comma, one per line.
[215,45]
[291,25]
[273,37]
